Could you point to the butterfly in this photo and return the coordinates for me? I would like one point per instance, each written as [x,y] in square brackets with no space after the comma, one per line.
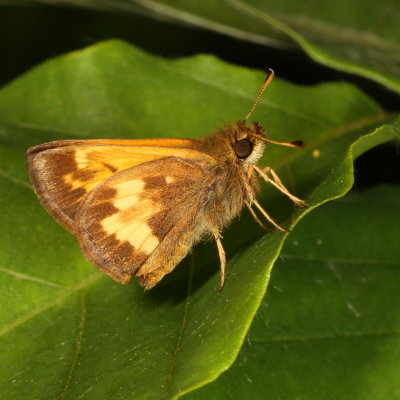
[137,207]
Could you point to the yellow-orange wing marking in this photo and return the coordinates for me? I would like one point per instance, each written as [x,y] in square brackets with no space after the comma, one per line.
[142,221]
[64,172]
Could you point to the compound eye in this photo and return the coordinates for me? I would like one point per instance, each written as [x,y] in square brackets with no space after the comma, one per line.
[243,148]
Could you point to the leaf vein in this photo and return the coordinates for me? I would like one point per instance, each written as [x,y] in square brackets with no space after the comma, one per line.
[78,346]
[19,275]
[338,260]
[59,299]
[15,180]
[356,335]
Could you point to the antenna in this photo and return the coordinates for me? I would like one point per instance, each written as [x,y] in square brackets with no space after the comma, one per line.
[296,143]
[267,81]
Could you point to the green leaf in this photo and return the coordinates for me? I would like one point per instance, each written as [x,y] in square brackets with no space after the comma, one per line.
[214,15]
[329,327]
[67,331]
[355,36]
[359,37]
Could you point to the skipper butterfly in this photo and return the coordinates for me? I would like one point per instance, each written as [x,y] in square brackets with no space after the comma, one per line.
[138,206]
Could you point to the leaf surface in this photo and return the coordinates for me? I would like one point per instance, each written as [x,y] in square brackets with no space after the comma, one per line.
[329,327]
[67,331]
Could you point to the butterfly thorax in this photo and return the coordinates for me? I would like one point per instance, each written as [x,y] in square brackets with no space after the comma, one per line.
[235,148]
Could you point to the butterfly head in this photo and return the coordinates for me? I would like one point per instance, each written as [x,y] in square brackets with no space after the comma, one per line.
[246,141]
[242,143]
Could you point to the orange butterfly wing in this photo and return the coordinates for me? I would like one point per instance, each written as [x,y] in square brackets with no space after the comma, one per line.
[64,172]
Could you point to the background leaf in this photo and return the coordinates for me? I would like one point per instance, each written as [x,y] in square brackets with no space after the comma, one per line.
[329,327]
[206,14]
[340,35]
[360,37]
[70,332]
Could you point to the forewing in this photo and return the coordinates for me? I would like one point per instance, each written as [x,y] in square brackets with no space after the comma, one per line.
[134,213]
[64,172]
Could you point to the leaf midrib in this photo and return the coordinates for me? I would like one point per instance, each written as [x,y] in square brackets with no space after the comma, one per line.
[339,33]
[197,20]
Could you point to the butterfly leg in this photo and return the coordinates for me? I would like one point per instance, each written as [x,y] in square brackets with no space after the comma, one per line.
[250,171]
[222,257]
[278,184]
[256,217]
[268,217]
[251,200]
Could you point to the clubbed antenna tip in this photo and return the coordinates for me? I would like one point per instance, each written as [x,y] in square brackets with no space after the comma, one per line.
[298,143]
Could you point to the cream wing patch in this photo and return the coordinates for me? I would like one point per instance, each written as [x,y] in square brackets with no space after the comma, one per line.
[129,224]
[128,193]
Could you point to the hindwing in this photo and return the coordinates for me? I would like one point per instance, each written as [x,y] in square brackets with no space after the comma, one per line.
[143,220]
